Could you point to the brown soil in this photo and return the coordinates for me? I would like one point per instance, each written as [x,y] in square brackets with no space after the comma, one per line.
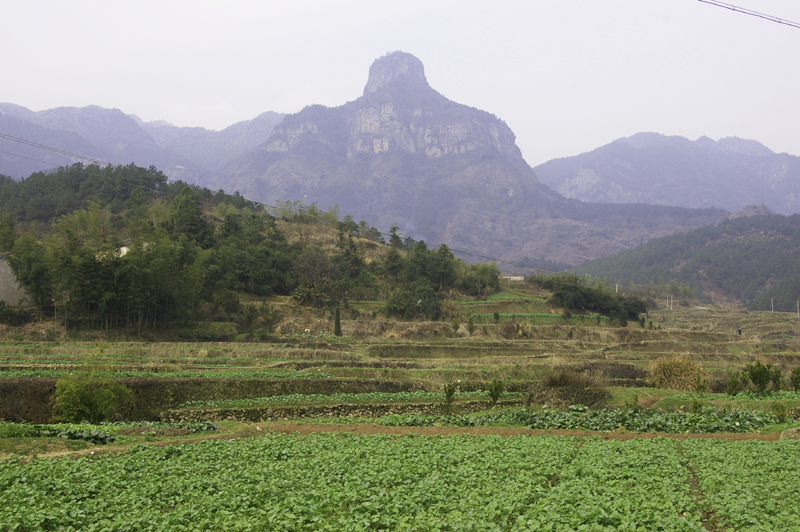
[304,429]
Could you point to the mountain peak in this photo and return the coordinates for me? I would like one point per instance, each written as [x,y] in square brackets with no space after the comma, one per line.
[395,68]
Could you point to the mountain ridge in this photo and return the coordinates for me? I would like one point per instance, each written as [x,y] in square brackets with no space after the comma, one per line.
[671,170]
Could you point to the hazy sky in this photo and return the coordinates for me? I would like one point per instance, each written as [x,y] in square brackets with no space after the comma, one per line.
[566,75]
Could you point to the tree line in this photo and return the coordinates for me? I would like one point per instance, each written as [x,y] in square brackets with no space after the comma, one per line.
[124,247]
[750,259]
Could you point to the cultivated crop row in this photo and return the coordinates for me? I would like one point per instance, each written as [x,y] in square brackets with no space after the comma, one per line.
[346,482]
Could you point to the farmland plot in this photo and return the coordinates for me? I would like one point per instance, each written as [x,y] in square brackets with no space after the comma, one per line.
[748,485]
[344,482]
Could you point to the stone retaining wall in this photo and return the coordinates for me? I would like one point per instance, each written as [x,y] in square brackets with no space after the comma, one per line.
[277,413]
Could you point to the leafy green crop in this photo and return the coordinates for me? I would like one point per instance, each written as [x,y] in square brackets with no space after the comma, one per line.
[749,485]
[338,398]
[644,420]
[332,481]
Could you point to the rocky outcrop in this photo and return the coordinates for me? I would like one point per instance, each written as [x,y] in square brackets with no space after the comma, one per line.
[403,154]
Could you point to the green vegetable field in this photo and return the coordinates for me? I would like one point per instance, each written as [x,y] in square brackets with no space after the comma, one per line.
[334,481]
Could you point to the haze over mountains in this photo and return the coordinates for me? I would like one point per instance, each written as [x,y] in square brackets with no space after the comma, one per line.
[189,153]
[403,154]
[661,170]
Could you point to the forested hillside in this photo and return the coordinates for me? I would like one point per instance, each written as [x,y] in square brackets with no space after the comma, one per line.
[123,247]
[749,260]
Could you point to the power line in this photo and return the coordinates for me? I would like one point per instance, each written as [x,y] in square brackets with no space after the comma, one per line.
[50,148]
[750,12]
[265,205]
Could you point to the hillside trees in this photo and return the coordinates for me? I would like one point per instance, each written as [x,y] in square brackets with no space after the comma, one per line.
[417,279]
[570,293]
[139,252]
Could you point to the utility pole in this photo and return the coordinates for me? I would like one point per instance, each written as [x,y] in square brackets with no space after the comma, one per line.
[772,302]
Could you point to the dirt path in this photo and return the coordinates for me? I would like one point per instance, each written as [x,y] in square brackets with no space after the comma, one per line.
[303,429]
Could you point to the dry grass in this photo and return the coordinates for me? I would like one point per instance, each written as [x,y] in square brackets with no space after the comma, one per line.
[677,373]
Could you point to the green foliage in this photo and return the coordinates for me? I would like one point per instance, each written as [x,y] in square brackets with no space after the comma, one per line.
[631,417]
[696,406]
[632,403]
[779,410]
[337,324]
[749,485]
[495,389]
[794,378]
[449,389]
[383,482]
[737,382]
[92,399]
[470,325]
[751,259]
[418,301]
[337,398]
[570,293]
[455,324]
[762,374]
[13,316]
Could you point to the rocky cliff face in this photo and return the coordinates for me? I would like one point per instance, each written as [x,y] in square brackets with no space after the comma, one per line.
[403,154]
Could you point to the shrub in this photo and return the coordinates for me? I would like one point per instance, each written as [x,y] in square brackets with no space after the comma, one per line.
[794,378]
[449,390]
[737,382]
[12,316]
[676,373]
[700,383]
[470,325]
[337,324]
[696,406]
[91,399]
[762,374]
[495,389]
[780,410]
[632,403]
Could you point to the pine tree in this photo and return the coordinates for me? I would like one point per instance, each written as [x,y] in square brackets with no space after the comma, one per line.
[337,325]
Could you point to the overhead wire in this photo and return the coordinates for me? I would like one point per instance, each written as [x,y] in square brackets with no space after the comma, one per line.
[265,205]
[750,12]
[51,148]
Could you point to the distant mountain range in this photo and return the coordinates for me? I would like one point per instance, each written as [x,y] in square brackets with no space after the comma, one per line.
[660,170]
[400,154]
[189,153]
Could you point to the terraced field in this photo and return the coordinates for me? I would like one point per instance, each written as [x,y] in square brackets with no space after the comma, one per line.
[383,446]
[377,355]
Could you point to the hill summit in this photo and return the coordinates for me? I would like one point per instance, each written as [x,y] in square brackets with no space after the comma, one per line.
[403,154]
[396,69]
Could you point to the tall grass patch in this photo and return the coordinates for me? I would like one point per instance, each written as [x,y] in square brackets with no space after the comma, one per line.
[677,373]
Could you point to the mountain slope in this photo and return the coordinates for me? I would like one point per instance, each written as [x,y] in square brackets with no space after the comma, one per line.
[747,259]
[661,170]
[403,154]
